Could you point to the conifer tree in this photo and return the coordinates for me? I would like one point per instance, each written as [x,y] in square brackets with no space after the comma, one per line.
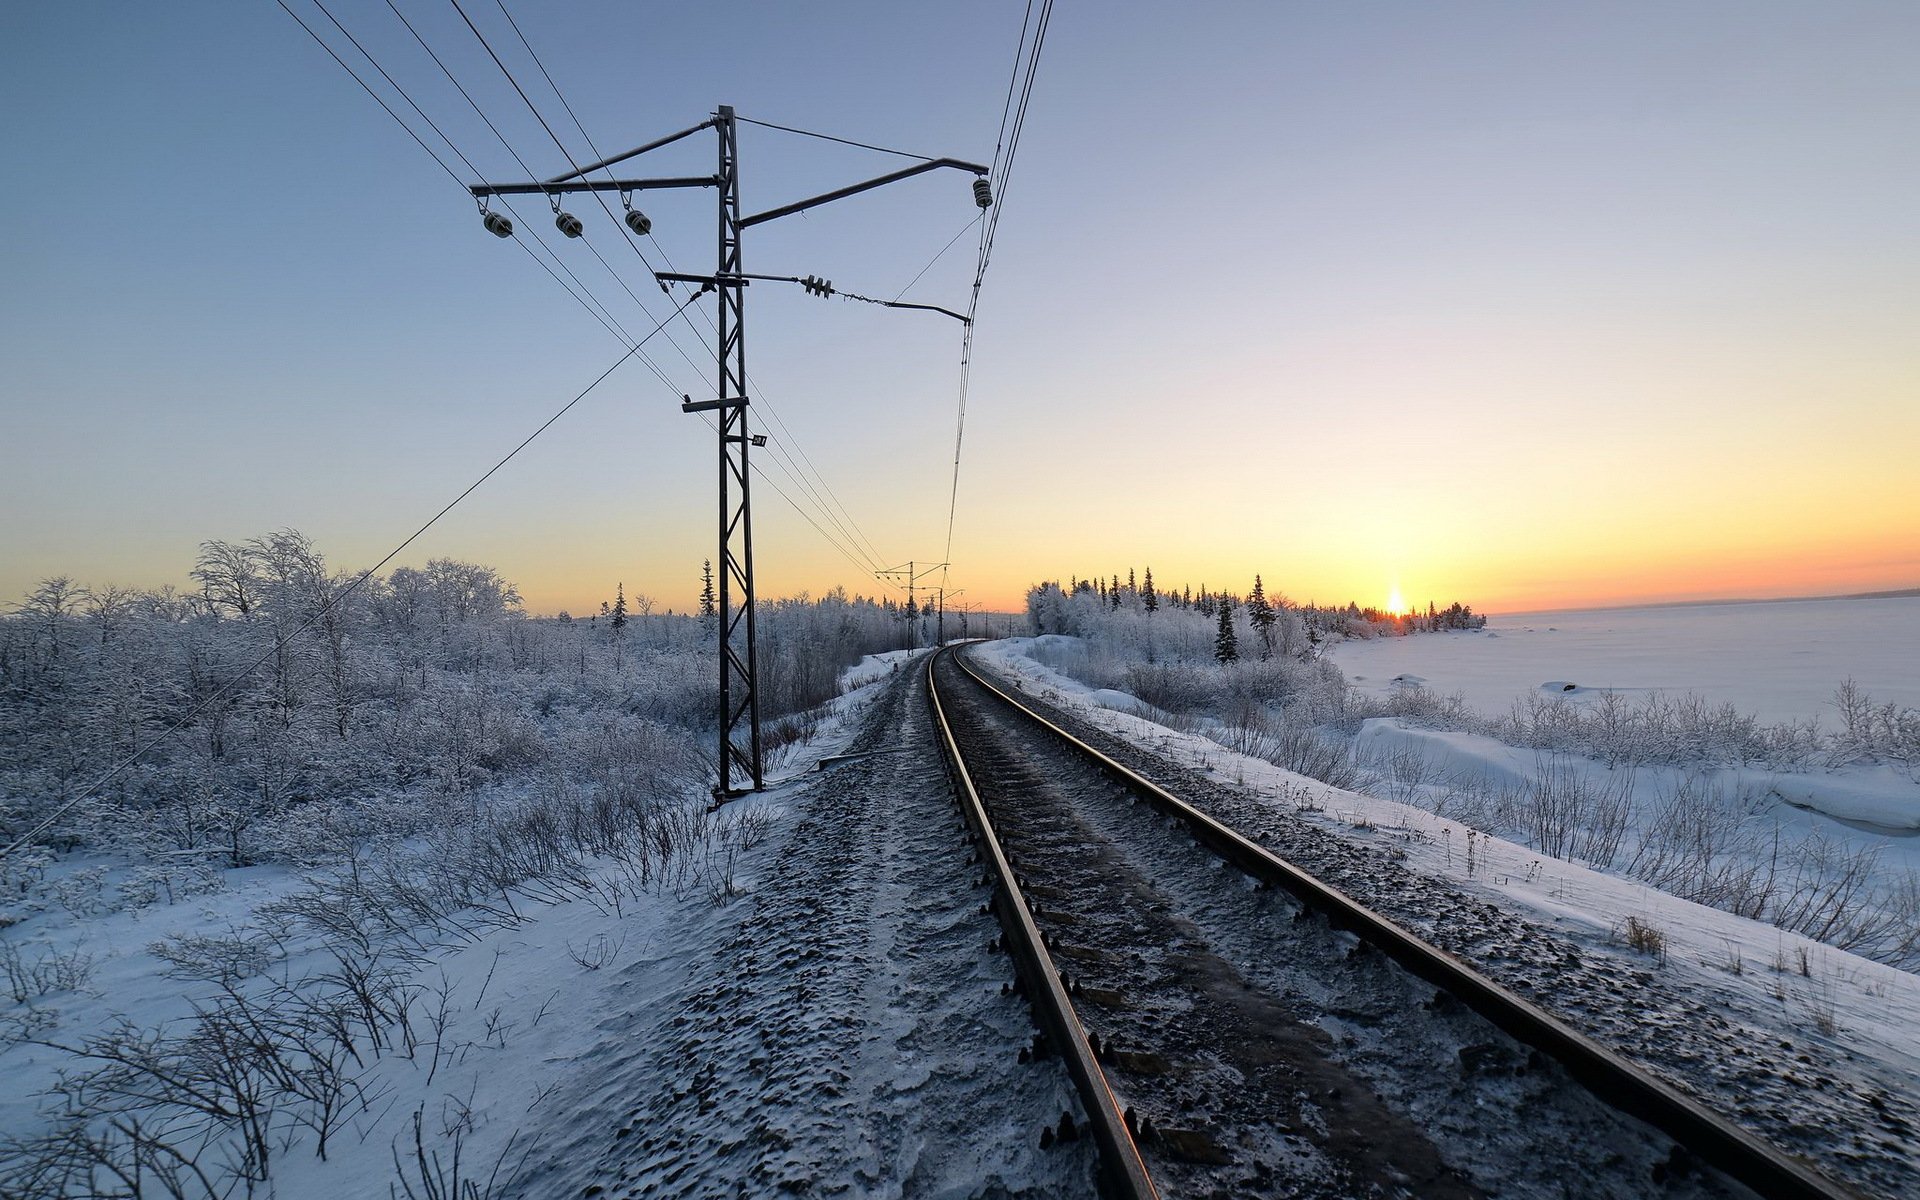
[1151,601]
[620,606]
[1131,585]
[1262,615]
[1226,647]
[709,615]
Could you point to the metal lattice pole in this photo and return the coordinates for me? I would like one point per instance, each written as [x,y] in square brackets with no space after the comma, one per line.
[739,750]
[739,657]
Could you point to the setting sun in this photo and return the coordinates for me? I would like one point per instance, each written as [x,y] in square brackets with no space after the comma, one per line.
[1395,604]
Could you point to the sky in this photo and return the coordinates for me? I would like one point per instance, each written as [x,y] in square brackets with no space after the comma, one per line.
[1524,305]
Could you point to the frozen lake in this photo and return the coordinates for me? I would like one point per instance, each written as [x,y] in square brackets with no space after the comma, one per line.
[1780,660]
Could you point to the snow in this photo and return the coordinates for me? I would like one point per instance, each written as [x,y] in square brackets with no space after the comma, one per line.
[534,1038]
[1779,660]
[835,1000]
[1118,700]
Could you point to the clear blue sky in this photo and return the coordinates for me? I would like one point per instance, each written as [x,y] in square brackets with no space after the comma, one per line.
[1518,303]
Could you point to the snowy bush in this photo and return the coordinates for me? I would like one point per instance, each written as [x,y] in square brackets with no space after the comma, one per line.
[46,970]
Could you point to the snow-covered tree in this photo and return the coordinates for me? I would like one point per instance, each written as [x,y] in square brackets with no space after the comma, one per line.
[708,613]
[1261,614]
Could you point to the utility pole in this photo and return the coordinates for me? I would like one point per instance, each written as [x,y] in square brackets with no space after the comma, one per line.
[739,707]
[912,577]
[944,594]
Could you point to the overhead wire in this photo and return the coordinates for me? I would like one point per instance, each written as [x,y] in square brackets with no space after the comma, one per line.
[421,142]
[1006,147]
[805,516]
[848,529]
[334,601]
[828,137]
[814,488]
[951,243]
[591,300]
[636,348]
[445,70]
[613,327]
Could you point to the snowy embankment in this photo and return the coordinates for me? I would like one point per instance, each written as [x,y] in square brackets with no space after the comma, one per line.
[1843,1008]
[273,1025]
[1774,663]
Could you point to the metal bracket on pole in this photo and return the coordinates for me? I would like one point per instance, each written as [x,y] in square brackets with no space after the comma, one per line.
[591,185]
[690,405]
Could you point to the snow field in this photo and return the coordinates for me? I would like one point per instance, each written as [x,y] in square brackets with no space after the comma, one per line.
[470,1018]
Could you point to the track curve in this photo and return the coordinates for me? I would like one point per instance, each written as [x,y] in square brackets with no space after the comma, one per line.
[1227,1061]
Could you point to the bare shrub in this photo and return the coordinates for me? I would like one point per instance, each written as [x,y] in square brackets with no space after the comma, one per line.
[1296,748]
[598,952]
[217,959]
[50,971]
[82,892]
[1175,687]
[1568,815]
[1644,937]
[425,1175]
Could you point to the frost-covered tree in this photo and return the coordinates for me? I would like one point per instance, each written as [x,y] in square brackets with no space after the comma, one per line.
[709,615]
[1149,598]
[226,573]
[1261,614]
[1226,647]
[619,612]
[51,607]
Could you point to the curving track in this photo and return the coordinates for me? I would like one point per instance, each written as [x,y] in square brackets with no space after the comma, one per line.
[1234,1026]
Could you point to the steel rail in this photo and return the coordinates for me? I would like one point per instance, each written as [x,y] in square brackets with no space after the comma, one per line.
[1769,1171]
[1123,1173]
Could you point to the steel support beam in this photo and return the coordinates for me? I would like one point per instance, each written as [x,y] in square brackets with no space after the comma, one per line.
[935,164]
[739,758]
[592,185]
[636,152]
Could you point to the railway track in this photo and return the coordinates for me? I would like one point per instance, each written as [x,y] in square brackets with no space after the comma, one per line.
[1236,1027]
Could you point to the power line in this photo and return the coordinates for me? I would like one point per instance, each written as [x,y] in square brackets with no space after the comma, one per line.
[1003,172]
[1019,53]
[845,553]
[853,536]
[584,296]
[827,137]
[849,528]
[951,242]
[280,643]
[377,99]
[798,477]
[613,325]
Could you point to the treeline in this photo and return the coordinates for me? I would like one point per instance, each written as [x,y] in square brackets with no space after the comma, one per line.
[1274,618]
[284,705]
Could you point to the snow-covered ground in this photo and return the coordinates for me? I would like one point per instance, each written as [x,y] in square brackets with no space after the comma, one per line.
[1747,984]
[810,998]
[1779,660]
[1846,811]
[539,1025]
